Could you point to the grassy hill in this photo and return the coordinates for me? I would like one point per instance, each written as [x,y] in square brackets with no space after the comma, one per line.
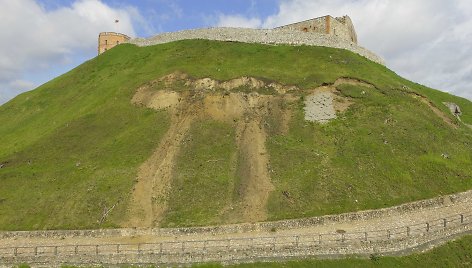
[71,149]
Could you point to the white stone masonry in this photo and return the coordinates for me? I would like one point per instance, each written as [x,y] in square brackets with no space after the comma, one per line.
[262,36]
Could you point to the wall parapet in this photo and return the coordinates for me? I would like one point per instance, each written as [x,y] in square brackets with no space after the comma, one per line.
[262,36]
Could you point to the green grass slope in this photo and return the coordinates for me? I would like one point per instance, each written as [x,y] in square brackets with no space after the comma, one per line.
[71,148]
[385,150]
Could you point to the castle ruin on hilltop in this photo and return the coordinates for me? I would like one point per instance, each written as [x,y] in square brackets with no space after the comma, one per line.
[341,27]
[107,40]
[324,31]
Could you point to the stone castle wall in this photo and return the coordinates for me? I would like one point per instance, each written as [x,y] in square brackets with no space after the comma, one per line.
[341,27]
[108,40]
[344,28]
[317,25]
[263,36]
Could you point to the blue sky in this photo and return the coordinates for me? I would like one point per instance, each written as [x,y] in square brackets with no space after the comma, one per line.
[427,41]
[174,15]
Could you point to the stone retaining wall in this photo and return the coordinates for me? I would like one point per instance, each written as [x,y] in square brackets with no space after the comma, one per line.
[249,227]
[262,36]
[249,248]
[235,251]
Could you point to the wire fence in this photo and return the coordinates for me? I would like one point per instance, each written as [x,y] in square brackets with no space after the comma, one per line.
[275,242]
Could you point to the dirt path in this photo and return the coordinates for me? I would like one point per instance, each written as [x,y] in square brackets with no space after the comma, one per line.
[149,198]
[155,175]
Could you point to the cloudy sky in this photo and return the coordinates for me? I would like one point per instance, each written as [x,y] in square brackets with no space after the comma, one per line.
[427,41]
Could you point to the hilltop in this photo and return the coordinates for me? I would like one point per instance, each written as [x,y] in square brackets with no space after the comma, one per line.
[163,136]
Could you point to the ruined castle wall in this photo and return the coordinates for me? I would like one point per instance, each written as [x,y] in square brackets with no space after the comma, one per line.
[343,28]
[318,25]
[262,36]
[108,40]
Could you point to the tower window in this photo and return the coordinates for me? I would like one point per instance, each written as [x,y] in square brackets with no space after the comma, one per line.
[106,42]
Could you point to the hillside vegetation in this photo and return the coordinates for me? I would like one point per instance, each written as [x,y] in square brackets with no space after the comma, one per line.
[72,150]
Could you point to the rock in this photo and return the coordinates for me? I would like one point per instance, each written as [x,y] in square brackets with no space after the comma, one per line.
[454,108]
[445,156]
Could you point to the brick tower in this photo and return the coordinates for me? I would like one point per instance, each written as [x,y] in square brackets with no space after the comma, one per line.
[108,40]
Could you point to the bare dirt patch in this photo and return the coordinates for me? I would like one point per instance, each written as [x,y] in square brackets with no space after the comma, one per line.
[188,99]
[150,194]
[207,98]
[161,99]
[255,185]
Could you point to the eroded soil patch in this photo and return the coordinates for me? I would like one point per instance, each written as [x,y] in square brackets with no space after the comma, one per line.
[188,100]
[211,99]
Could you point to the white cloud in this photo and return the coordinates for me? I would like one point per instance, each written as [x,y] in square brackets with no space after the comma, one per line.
[427,41]
[35,39]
